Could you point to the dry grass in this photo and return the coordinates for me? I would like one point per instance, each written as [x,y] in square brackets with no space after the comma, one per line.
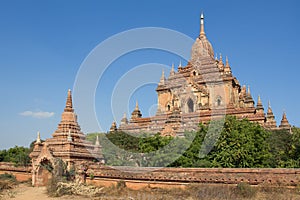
[57,188]
[242,191]
[7,183]
[203,191]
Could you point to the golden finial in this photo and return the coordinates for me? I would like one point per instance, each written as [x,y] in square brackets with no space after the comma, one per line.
[136,105]
[227,62]
[38,139]
[202,32]
[259,100]
[97,143]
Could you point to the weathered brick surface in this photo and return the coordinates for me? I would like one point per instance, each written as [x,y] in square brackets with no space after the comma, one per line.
[203,90]
[137,178]
[21,173]
[285,177]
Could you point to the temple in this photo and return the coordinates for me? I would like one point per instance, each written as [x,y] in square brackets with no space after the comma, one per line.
[203,90]
[68,144]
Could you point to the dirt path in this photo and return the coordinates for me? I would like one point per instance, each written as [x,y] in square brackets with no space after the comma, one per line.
[25,192]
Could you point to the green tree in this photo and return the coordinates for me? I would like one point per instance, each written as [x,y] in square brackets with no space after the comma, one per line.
[124,141]
[241,144]
[285,148]
[118,148]
[159,151]
[17,155]
[191,157]
[229,143]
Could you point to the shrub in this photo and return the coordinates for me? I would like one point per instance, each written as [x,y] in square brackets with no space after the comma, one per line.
[7,176]
[52,187]
[245,190]
[92,176]
[7,181]
[121,184]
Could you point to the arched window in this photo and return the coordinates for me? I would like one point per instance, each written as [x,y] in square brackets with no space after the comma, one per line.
[190,105]
[194,73]
[169,108]
[219,102]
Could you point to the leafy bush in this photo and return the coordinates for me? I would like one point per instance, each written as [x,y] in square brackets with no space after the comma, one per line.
[121,184]
[232,143]
[245,190]
[7,176]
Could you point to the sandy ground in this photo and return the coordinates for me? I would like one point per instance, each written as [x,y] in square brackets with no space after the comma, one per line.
[26,192]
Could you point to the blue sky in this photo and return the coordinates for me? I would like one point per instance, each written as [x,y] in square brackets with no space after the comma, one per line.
[43,44]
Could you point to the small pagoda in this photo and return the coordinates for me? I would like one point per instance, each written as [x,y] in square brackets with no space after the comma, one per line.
[68,144]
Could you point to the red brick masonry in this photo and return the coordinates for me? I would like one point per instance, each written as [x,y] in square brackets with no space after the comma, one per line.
[282,177]
[103,175]
[21,173]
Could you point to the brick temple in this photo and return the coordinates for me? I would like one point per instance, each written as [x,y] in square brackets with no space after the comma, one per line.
[68,143]
[203,90]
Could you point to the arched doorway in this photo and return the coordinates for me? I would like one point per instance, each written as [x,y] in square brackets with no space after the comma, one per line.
[190,105]
[168,108]
[219,101]
[44,173]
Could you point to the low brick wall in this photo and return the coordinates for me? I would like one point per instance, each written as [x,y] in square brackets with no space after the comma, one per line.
[136,184]
[21,173]
[137,178]
[180,177]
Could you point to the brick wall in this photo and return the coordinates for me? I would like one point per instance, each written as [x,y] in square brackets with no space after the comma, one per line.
[137,178]
[177,177]
[21,173]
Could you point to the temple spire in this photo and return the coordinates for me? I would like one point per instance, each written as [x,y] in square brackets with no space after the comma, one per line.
[136,113]
[172,72]
[69,104]
[270,118]
[227,62]
[259,106]
[284,116]
[124,120]
[163,78]
[220,63]
[38,139]
[136,105]
[285,123]
[259,100]
[269,107]
[113,127]
[97,143]
[227,69]
[202,32]
[221,59]
[249,92]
